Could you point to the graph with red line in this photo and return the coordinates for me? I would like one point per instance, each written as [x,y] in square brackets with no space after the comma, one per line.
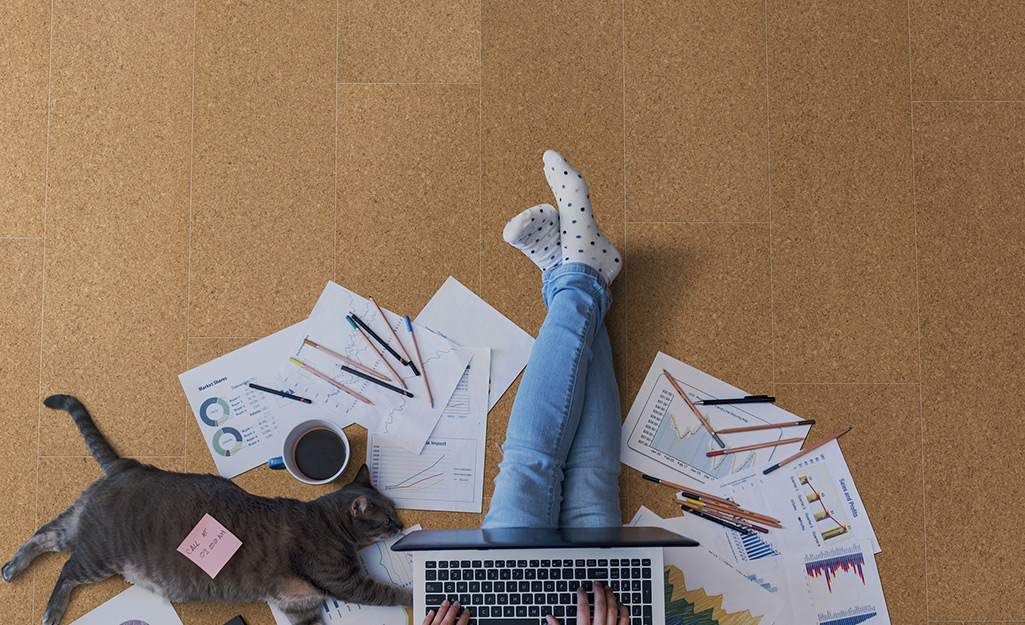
[828,564]
[443,471]
[830,521]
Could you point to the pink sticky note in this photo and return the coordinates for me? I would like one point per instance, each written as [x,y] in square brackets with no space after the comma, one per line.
[210,545]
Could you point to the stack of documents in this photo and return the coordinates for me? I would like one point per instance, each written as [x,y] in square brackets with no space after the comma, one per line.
[423,456]
[820,568]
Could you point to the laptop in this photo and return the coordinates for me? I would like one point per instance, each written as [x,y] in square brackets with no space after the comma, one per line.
[515,576]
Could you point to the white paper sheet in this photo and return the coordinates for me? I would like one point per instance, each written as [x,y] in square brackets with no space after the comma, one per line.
[405,421]
[710,583]
[456,313]
[243,427]
[835,586]
[134,606]
[449,473]
[662,437]
[395,568]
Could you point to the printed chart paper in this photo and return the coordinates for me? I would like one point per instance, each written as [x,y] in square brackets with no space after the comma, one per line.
[407,422]
[449,473]
[133,606]
[662,437]
[243,427]
[394,568]
[456,313]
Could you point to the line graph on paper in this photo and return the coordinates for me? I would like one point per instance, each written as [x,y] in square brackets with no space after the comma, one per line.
[669,433]
[443,471]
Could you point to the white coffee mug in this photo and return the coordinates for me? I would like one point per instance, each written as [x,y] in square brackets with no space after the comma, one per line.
[287,459]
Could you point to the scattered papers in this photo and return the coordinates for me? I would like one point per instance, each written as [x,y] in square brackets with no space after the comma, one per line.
[701,582]
[662,437]
[242,427]
[407,422]
[456,313]
[210,545]
[394,568]
[135,605]
[449,473]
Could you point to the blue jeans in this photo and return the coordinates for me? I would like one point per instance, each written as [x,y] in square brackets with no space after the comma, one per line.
[561,463]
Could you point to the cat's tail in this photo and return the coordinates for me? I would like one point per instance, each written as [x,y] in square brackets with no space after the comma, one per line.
[94,439]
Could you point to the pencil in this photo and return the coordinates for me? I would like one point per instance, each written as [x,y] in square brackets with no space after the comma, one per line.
[377,338]
[368,378]
[804,451]
[344,359]
[694,408]
[690,492]
[749,399]
[737,512]
[709,517]
[366,338]
[419,360]
[734,450]
[279,393]
[332,382]
[731,519]
[395,336]
[752,428]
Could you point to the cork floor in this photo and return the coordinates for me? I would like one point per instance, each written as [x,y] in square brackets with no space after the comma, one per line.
[820,200]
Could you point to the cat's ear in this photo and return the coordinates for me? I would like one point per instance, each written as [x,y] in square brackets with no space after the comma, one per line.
[359,505]
[363,475]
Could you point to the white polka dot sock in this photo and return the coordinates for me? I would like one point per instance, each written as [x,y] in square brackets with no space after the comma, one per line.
[535,232]
[582,241]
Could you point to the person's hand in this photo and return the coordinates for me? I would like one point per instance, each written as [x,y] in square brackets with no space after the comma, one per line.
[446,614]
[607,611]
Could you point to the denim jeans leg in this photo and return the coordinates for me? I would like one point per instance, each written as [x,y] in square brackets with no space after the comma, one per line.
[550,399]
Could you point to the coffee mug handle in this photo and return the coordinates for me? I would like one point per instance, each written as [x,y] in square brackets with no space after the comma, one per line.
[276,463]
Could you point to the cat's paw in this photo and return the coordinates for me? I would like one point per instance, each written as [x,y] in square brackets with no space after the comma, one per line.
[406,598]
[53,616]
[8,572]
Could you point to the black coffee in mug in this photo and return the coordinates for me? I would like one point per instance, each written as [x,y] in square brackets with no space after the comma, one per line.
[319,454]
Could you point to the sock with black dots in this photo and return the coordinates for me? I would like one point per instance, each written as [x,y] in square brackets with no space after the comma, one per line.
[582,241]
[535,232]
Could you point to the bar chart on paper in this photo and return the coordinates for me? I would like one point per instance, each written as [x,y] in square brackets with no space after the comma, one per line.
[444,471]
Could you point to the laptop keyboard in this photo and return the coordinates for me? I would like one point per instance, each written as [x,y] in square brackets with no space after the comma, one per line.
[522,592]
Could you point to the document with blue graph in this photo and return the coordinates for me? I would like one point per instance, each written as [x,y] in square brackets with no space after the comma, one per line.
[663,437]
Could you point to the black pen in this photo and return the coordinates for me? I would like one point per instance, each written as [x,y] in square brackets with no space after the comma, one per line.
[368,378]
[749,399]
[373,335]
[736,528]
[279,393]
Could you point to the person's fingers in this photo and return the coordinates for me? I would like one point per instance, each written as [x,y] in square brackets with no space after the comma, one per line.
[613,610]
[451,616]
[429,618]
[442,611]
[464,618]
[583,609]
[624,614]
[599,604]
[551,620]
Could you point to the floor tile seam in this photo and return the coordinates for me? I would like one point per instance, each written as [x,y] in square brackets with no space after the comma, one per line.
[968,102]
[202,337]
[87,456]
[848,383]
[480,148]
[334,244]
[188,270]
[918,312]
[473,82]
[626,223]
[643,222]
[21,238]
[768,201]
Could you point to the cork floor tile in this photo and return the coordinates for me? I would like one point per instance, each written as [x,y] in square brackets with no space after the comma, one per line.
[884,454]
[262,242]
[842,218]
[21,264]
[409,191]
[699,293]
[114,312]
[61,481]
[967,50]
[970,164]
[396,41]
[24,57]
[696,143]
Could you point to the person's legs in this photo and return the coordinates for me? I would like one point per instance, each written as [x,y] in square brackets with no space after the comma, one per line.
[545,415]
[590,489]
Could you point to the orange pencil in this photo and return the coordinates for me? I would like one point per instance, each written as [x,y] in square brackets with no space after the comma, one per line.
[733,450]
[332,382]
[771,426]
[804,451]
[394,336]
[694,408]
[379,354]
[344,359]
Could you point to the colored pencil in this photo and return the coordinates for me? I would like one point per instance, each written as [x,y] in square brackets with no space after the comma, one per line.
[804,451]
[709,517]
[771,426]
[694,408]
[690,492]
[738,512]
[395,336]
[732,519]
[377,338]
[368,378]
[750,399]
[734,450]
[359,331]
[419,360]
[332,382]
[344,359]
[279,393]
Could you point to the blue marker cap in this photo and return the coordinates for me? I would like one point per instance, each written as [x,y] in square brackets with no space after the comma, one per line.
[409,326]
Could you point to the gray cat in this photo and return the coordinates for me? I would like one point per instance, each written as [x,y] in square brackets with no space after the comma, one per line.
[294,554]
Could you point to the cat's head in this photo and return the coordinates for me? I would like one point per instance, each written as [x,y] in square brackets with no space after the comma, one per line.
[372,516]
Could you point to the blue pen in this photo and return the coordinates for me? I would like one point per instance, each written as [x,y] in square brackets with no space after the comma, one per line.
[419,361]
[366,338]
